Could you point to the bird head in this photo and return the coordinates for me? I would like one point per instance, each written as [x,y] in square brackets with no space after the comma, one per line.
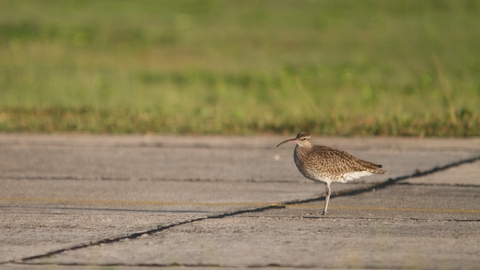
[302,139]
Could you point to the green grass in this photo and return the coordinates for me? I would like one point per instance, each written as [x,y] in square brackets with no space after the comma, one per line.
[349,68]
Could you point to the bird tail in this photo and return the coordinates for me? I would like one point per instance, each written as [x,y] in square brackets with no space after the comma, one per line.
[372,167]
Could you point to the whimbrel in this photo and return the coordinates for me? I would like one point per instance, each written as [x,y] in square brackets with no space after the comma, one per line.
[325,164]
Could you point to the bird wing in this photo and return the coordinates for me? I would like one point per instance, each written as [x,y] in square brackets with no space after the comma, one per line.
[342,164]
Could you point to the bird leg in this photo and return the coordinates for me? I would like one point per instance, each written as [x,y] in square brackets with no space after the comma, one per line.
[327,198]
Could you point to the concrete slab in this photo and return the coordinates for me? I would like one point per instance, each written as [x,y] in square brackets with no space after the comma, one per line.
[43,215]
[398,234]
[205,158]
[143,201]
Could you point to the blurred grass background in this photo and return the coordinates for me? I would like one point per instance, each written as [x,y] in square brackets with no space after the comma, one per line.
[345,68]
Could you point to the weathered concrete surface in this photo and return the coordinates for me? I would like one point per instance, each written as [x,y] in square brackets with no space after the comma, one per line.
[234,202]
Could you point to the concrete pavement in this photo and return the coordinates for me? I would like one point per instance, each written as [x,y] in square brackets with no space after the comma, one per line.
[135,202]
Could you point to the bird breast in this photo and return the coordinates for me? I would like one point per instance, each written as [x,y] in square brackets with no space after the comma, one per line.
[308,167]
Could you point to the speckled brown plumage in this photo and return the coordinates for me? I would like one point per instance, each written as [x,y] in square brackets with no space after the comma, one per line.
[327,165]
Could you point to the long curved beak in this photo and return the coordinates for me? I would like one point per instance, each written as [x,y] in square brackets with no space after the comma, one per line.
[289,140]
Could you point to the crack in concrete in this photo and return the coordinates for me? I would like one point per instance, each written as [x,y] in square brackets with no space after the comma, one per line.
[440,185]
[138,234]
[381,185]
[200,265]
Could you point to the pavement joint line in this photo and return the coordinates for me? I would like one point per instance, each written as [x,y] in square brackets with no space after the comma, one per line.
[399,209]
[440,185]
[387,218]
[144,141]
[113,178]
[126,202]
[223,204]
[189,265]
[354,192]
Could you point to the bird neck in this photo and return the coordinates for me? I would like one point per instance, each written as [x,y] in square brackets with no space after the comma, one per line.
[305,145]
[301,150]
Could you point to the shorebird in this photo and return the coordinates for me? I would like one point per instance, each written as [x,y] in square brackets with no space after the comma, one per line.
[327,165]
